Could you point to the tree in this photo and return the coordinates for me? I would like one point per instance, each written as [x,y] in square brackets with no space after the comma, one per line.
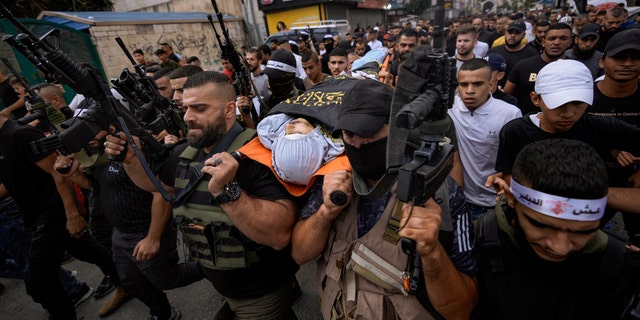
[417,7]
[32,8]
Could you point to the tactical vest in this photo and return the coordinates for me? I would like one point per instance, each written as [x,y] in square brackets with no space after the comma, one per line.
[209,234]
[361,278]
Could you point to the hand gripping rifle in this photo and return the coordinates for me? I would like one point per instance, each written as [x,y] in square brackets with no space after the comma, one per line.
[149,107]
[40,109]
[60,68]
[241,78]
[424,92]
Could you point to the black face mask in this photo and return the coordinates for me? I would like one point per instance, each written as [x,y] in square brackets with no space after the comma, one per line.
[282,88]
[369,161]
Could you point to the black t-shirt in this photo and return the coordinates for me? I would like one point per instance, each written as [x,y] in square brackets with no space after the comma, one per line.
[523,75]
[602,133]
[536,46]
[33,189]
[274,266]
[530,288]
[126,206]
[512,58]
[626,109]
[505,97]
[486,37]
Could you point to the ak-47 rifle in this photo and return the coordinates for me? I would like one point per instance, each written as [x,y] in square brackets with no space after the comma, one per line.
[241,78]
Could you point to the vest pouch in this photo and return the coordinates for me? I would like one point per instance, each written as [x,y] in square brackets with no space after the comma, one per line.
[227,247]
[217,245]
[198,244]
[372,267]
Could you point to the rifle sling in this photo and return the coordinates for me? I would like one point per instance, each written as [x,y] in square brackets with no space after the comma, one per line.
[196,171]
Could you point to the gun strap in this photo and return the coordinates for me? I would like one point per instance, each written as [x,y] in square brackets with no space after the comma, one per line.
[143,161]
[196,171]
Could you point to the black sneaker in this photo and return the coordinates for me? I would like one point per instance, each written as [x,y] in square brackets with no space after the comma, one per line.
[175,315]
[105,287]
[84,294]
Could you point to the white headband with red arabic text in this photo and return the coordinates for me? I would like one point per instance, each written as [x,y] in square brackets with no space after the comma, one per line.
[559,207]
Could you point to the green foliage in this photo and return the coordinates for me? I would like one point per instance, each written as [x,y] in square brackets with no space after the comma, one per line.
[417,7]
[32,8]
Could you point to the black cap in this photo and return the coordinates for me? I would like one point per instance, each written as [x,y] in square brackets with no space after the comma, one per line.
[621,41]
[281,61]
[517,26]
[303,37]
[365,108]
[589,29]
[160,51]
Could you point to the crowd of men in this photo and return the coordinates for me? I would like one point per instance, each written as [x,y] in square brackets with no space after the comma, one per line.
[544,131]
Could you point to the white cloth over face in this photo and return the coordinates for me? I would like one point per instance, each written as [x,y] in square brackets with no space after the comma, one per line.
[296,157]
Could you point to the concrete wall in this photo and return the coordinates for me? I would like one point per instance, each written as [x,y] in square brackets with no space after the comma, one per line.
[187,39]
[232,7]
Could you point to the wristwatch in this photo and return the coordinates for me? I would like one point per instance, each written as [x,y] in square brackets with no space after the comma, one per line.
[230,193]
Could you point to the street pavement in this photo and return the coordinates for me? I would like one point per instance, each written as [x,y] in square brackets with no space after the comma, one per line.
[197,301]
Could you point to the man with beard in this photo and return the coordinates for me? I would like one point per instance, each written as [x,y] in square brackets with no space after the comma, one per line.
[611,25]
[465,43]
[501,31]
[360,48]
[235,214]
[540,30]
[407,42]
[483,34]
[260,80]
[350,238]
[452,31]
[513,49]
[523,75]
[585,51]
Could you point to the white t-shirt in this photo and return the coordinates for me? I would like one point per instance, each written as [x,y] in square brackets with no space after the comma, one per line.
[478,134]
[375,44]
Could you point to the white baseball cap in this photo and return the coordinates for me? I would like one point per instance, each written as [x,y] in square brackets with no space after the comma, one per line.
[564,81]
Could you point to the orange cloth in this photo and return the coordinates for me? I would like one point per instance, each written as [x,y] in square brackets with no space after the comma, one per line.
[256,151]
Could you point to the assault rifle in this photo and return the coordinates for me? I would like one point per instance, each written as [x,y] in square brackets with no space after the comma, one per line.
[149,107]
[424,92]
[40,110]
[241,77]
[58,67]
